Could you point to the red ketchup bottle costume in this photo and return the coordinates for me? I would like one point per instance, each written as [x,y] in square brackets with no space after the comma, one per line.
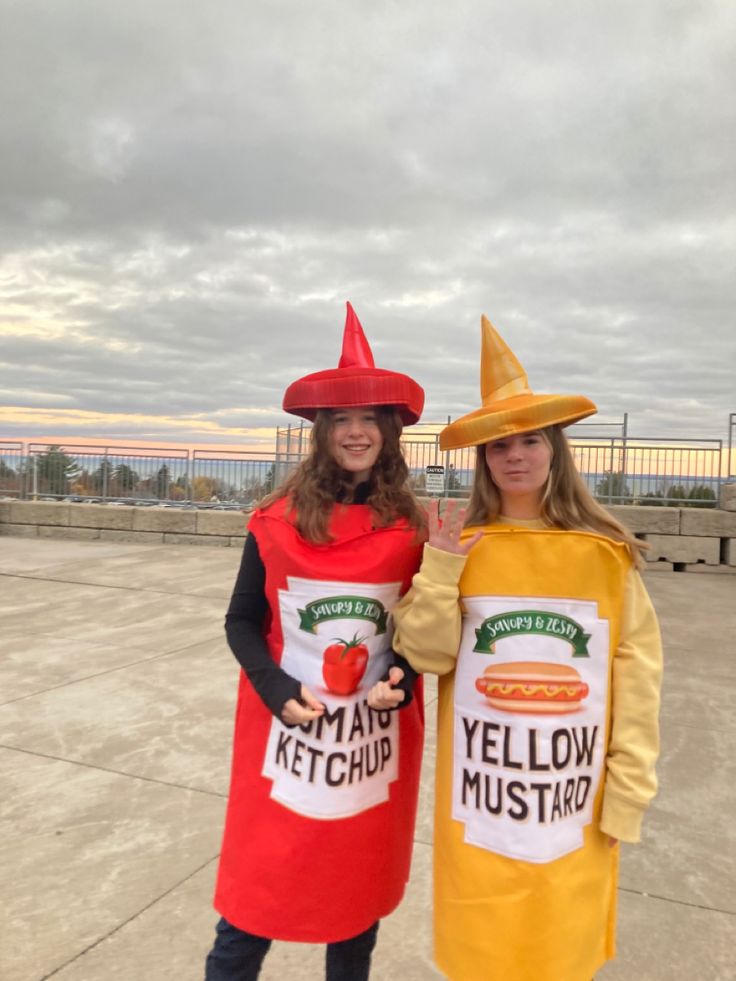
[320,818]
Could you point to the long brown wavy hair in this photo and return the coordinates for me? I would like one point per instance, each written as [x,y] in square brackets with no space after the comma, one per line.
[319,481]
[567,503]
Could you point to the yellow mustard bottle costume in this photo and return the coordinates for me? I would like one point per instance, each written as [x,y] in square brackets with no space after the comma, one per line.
[533,770]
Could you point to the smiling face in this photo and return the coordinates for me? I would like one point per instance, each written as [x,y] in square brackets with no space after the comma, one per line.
[519,466]
[355,440]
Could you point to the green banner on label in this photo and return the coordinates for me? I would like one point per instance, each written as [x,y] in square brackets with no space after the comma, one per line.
[343,608]
[531,622]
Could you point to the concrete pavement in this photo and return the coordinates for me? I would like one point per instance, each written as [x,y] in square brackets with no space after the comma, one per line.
[116,702]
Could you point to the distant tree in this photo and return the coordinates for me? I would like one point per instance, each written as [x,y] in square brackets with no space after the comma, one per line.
[9,479]
[100,480]
[204,488]
[453,481]
[160,483]
[700,495]
[677,495]
[54,469]
[613,488]
[653,499]
[124,478]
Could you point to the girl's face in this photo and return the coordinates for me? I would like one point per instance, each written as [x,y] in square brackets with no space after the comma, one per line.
[519,466]
[356,440]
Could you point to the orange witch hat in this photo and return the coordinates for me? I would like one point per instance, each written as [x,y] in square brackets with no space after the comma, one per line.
[356,381]
[509,405]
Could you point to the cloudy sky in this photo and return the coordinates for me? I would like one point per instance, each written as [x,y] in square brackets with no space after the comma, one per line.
[190,192]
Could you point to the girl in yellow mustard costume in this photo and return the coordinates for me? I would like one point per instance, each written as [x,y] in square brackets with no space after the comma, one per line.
[549,695]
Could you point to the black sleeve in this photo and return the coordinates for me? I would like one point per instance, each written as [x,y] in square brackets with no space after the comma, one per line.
[244,630]
[407,682]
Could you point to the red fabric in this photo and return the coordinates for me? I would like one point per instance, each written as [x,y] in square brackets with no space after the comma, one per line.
[344,388]
[283,874]
[356,351]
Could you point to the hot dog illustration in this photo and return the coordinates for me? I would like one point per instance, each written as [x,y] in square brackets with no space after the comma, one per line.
[533,687]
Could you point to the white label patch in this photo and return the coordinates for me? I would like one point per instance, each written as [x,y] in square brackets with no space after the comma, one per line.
[531,689]
[337,637]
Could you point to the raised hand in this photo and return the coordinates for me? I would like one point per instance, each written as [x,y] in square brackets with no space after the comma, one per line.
[445,534]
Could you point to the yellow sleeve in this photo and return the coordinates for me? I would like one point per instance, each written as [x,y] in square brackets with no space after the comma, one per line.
[428,619]
[631,782]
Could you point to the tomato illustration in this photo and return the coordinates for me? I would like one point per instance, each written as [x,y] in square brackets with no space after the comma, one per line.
[343,664]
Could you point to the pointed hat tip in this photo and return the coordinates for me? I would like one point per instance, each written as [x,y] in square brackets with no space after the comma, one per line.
[356,351]
[501,373]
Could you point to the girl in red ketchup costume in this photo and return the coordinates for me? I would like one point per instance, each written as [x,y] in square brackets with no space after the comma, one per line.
[323,793]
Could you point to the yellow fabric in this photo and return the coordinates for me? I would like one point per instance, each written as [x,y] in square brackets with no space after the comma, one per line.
[508,404]
[498,917]
[633,745]
[501,373]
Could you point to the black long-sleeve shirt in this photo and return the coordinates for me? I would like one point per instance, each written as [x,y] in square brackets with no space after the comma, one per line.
[244,630]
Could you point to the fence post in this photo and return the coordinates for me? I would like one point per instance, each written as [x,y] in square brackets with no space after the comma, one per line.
[624,437]
[610,470]
[104,474]
[447,458]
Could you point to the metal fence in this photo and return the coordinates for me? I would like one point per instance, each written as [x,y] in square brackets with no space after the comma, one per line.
[617,468]
[134,474]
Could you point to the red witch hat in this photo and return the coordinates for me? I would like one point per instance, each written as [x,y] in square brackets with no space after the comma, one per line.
[356,381]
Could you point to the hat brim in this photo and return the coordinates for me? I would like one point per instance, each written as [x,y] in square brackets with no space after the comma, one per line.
[345,388]
[519,414]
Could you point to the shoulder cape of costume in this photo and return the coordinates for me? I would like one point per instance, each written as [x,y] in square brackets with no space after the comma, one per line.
[525,883]
[320,819]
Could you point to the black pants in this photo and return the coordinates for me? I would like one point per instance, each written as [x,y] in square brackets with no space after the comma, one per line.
[237,956]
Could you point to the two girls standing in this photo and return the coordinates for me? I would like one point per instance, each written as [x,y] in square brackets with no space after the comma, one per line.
[531,609]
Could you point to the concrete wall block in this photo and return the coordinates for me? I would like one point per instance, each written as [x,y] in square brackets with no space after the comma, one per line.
[237,542]
[728,496]
[73,534]
[137,537]
[659,567]
[730,552]
[100,516]
[704,521]
[19,531]
[683,548]
[721,570]
[664,521]
[165,520]
[221,523]
[171,538]
[39,513]
[4,511]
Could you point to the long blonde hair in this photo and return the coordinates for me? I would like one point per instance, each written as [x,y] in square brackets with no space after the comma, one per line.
[319,481]
[567,503]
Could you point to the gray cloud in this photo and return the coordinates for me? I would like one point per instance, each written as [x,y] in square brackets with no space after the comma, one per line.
[189,193]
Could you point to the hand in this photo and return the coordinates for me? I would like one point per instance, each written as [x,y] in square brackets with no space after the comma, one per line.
[384,695]
[298,711]
[612,842]
[445,535]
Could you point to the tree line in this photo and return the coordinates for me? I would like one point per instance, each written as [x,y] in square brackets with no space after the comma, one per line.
[57,474]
